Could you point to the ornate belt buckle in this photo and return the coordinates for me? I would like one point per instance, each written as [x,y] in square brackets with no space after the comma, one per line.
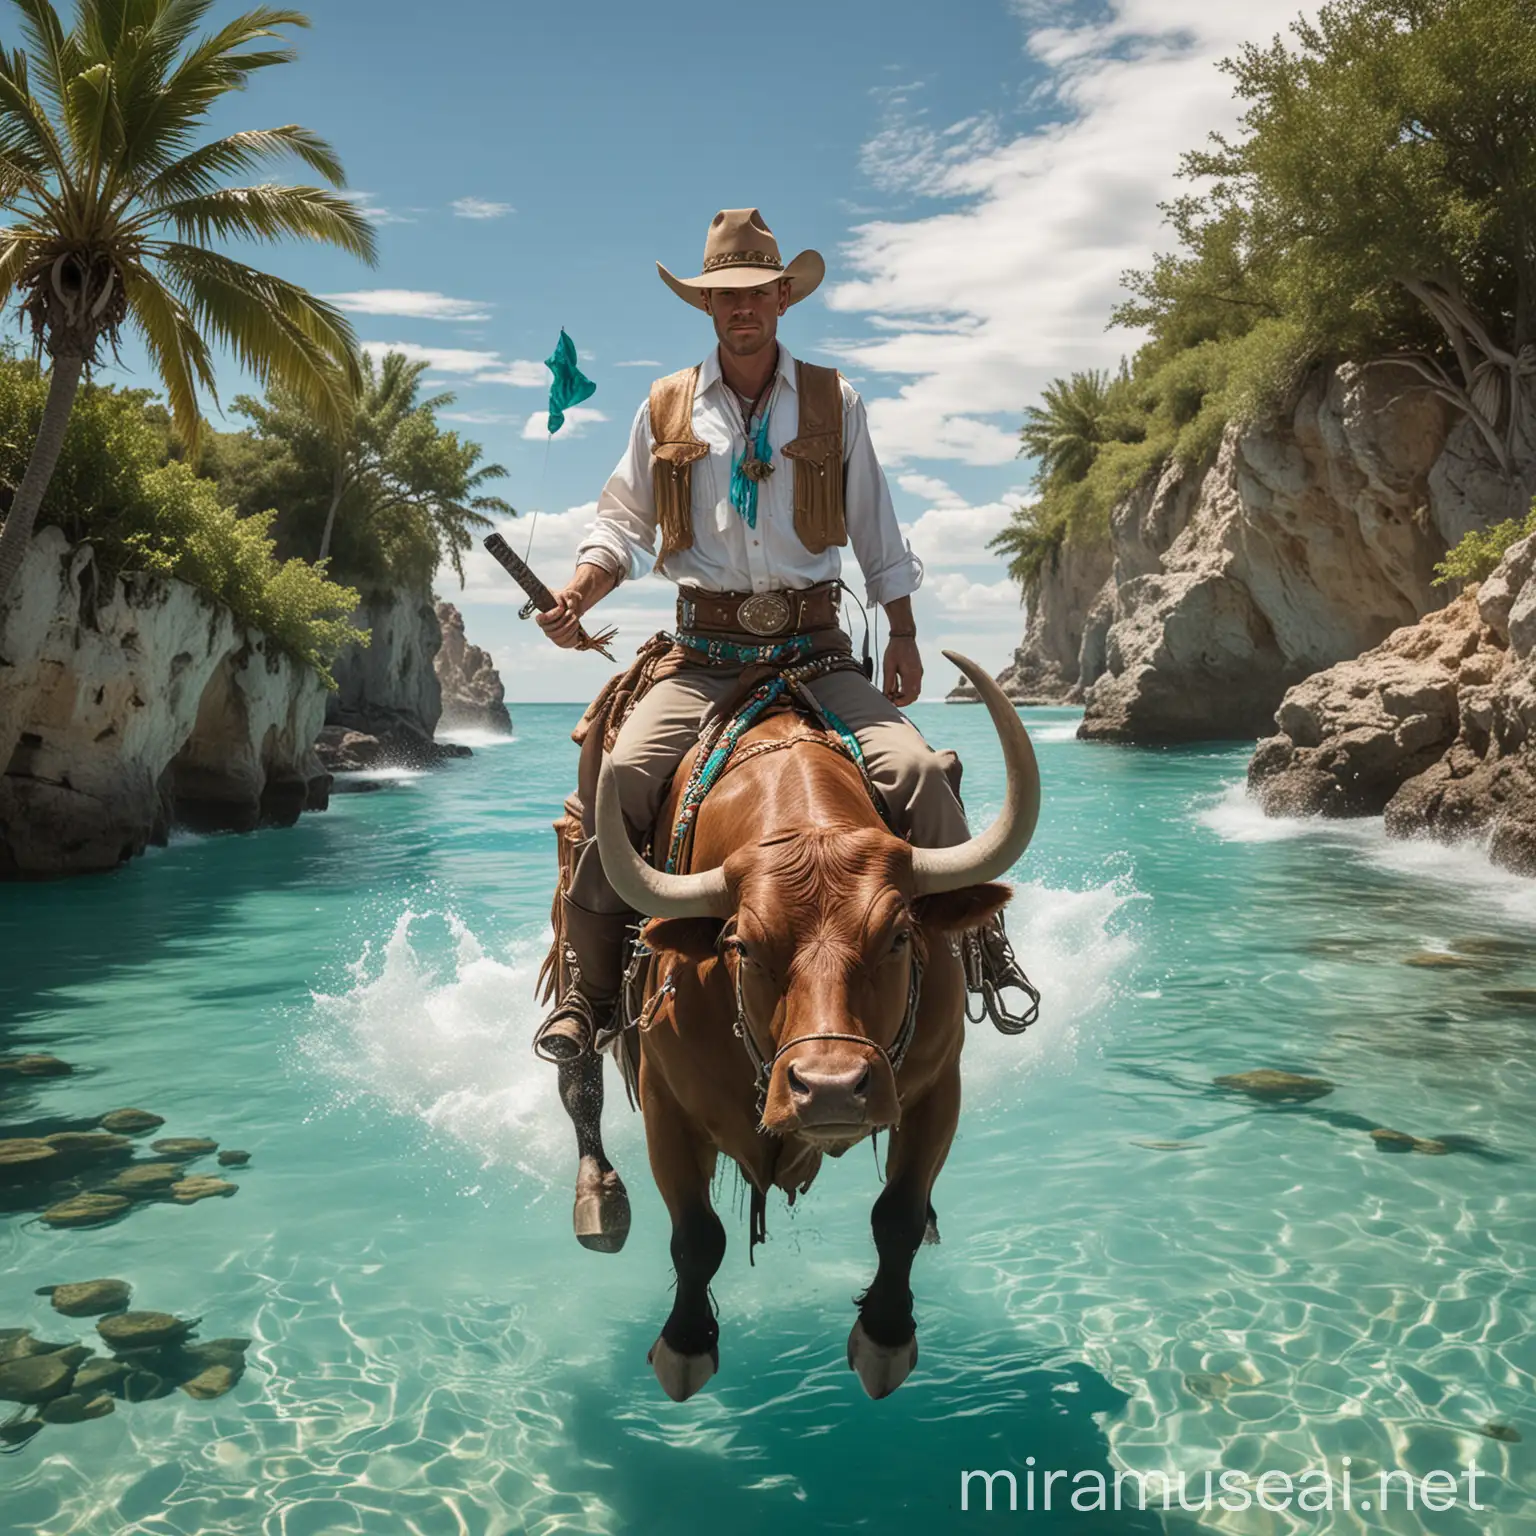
[764,613]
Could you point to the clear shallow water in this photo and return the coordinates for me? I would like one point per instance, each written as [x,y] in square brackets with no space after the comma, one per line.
[352,999]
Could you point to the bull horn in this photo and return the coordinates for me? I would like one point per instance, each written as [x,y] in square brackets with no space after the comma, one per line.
[648,890]
[992,852]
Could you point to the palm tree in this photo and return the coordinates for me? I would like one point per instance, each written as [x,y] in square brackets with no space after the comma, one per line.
[118,209]
[389,458]
[1065,433]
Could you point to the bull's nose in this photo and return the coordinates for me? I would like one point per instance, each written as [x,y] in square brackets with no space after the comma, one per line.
[823,1097]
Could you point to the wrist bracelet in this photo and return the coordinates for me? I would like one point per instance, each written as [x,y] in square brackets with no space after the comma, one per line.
[901,634]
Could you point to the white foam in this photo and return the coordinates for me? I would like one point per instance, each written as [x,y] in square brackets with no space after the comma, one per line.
[474,736]
[445,1041]
[1076,946]
[1054,733]
[1463,867]
[394,775]
[448,1043]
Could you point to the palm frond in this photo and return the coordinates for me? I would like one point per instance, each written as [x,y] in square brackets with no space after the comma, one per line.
[56,52]
[281,334]
[198,173]
[271,213]
[179,353]
[21,115]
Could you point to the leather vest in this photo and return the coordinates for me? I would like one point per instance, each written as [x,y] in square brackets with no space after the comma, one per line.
[817,454]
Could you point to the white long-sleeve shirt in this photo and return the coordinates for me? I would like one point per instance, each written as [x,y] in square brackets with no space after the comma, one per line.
[727,555]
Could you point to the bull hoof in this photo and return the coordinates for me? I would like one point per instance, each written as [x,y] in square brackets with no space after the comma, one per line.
[601,1215]
[681,1375]
[881,1367]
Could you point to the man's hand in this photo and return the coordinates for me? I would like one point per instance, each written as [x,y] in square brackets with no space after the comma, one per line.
[902,673]
[563,622]
[586,588]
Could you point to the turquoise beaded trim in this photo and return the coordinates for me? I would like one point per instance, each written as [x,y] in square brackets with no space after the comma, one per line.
[796,648]
[711,765]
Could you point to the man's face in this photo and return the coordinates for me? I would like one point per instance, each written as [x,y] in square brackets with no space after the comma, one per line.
[747,319]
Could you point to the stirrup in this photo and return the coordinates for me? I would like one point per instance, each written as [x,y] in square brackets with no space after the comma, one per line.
[568,1033]
[988,974]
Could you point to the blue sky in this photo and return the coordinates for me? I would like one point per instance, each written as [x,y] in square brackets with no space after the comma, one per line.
[977,174]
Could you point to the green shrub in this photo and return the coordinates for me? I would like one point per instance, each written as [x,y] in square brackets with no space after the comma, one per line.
[118,487]
[1478,552]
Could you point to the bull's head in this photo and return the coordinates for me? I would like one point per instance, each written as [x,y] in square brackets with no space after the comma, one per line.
[820,930]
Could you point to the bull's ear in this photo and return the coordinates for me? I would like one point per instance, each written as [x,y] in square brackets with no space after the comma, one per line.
[694,938]
[956,911]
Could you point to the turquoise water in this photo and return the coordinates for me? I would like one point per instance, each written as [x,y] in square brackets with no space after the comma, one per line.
[351,1001]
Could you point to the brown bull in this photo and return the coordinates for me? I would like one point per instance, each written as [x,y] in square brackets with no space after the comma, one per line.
[806,991]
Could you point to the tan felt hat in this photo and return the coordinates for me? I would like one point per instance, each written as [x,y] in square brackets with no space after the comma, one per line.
[740,252]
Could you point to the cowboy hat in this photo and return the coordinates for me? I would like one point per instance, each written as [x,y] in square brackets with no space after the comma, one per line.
[740,252]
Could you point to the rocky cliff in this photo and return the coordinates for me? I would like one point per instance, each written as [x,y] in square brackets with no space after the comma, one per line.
[1049,667]
[1435,728]
[130,705]
[388,688]
[1305,540]
[472,692]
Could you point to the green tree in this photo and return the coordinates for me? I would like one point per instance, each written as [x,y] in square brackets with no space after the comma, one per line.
[1382,198]
[392,491]
[117,210]
[1079,415]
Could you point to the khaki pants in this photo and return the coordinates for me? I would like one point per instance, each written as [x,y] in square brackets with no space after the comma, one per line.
[914,780]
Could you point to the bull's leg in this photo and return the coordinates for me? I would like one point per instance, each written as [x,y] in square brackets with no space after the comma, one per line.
[687,1353]
[883,1345]
[601,1213]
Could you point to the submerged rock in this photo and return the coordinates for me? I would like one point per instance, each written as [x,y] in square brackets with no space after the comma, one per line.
[19,1433]
[1505,1432]
[25,1157]
[202,1186]
[1438,960]
[130,1122]
[86,1210]
[183,1147]
[35,1378]
[36,1065]
[233,1158]
[1388,1140]
[90,1298]
[101,1374]
[144,1179]
[210,1382]
[143,1330]
[1271,1084]
[75,1408]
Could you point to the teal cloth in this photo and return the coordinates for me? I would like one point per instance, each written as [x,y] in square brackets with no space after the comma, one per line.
[743,487]
[569,386]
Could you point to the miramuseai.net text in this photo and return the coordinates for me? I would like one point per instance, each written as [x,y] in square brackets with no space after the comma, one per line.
[1038,1489]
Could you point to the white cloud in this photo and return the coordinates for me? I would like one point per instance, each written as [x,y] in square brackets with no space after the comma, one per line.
[984,301]
[639,362]
[523,373]
[480,208]
[482,367]
[577,419]
[481,418]
[931,489]
[369,206]
[959,594]
[954,534]
[408,303]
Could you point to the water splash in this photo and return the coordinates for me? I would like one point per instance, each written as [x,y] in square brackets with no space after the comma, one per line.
[1464,867]
[438,1029]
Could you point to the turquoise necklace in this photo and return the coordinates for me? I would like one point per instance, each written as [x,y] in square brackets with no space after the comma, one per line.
[752,465]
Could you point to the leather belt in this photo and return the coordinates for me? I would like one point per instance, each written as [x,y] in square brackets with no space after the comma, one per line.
[792,611]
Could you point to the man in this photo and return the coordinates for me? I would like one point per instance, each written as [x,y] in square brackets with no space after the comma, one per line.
[755,469]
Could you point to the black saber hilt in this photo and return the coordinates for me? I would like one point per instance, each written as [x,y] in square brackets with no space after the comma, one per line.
[517,568]
[539,596]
